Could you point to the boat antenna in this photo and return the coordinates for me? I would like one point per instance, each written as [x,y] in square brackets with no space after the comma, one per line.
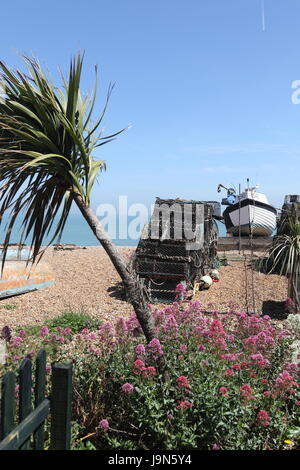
[263,15]
[248,182]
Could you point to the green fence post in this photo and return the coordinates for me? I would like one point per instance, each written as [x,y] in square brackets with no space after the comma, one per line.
[7,404]
[25,391]
[61,406]
[40,387]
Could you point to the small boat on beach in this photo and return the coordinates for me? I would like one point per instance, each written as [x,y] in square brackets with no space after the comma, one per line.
[20,277]
[248,213]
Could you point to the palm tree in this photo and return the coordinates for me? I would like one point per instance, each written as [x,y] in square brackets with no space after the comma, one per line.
[284,257]
[47,141]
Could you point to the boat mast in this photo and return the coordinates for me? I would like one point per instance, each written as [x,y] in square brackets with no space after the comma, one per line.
[239,219]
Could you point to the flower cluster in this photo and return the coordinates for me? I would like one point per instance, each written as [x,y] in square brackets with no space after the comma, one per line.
[233,368]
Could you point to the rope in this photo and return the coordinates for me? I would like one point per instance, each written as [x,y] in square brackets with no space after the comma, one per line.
[157,283]
[246,283]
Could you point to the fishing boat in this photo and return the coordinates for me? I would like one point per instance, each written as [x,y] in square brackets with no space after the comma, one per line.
[248,213]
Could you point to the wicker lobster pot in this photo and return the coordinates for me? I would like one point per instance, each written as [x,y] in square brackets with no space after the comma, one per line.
[178,244]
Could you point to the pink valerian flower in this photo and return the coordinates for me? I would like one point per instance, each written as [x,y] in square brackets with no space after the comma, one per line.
[182,382]
[127,388]
[67,331]
[22,333]
[149,371]
[284,382]
[216,447]
[184,405]
[17,341]
[183,347]
[221,343]
[106,331]
[44,331]
[292,368]
[85,331]
[229,373]
[92,336]
[246,393]
[139,366]
[171,324]
[263,418]
[95,350]
[155,348]
[140,351]
[201,348]
[216,328]
[224,391]
[260,360]
[284,334]
[250,343]
[121,329]
[132,323]
[103,425]
[229,357]
[245,365]
[180,291]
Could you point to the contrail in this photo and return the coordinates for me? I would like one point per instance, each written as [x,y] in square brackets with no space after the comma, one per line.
[263,15]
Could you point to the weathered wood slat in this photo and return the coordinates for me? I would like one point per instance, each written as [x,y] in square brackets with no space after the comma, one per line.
[61,406]
[19,435]
[40,388]
[25,394]
[7,404]
[32,422]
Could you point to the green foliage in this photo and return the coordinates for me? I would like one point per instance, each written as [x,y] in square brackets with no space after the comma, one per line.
[284,256]
[231,384]
[75,321]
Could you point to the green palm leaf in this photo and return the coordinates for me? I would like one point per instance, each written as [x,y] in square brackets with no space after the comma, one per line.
[47,142]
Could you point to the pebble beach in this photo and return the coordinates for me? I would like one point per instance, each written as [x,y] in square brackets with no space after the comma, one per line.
[86,281]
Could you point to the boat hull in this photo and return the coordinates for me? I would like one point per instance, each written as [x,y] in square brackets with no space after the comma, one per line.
[250,217]
[20,275]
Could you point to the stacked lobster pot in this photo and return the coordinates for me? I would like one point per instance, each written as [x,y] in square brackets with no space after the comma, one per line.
[178,245]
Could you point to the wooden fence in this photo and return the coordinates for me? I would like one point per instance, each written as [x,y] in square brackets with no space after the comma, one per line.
[29,434]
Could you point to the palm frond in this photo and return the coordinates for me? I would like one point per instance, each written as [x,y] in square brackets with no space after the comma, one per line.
[284,255]
[47,140]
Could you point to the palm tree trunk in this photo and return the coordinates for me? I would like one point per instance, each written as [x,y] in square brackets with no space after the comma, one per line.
[131,283]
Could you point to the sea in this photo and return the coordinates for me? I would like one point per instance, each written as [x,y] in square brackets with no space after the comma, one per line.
[78,232]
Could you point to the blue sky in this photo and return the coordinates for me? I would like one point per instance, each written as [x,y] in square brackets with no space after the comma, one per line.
[206,89]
